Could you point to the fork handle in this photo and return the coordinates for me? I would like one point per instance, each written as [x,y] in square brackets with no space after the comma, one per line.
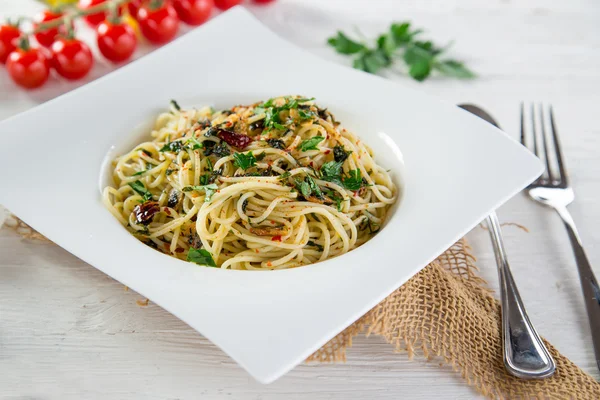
[589,284]
[525,355]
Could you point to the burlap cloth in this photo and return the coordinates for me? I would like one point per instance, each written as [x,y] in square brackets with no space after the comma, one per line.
[446,310]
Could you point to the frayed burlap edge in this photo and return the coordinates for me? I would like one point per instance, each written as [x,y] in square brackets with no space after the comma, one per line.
[447,311]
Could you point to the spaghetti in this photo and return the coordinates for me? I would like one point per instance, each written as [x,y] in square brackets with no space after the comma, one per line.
[272,185]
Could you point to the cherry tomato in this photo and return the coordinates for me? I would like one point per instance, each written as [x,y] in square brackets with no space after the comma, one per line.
[96,18]
[46,38]
[263,1]
[226,4]
[28,66]
[116,42]
[9,35]
[71,58]
[133,6]
[158,21]
[193,12]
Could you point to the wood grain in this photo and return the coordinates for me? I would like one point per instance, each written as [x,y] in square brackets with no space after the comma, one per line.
[69,332]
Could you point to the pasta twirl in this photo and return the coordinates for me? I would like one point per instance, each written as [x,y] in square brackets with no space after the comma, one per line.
[276,184]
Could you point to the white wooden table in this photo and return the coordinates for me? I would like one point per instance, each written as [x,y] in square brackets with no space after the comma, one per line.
[69,332]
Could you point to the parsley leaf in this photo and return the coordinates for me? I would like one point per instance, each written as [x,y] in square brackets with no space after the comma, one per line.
[140,189]
[244,161]
[285,175]
[331,168]
[194,144]
[174,147]
[454,68]
[271,111]
[303,187]
[314,188]
[340,154]
[421,57]
[310,144]
[148,168]
[276,143]
[318,246]
[345,45]
[175,105]
[353,181]
[209,190]
[201,257]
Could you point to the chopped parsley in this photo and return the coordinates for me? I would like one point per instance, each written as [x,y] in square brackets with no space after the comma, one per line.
[353,181]
[330,171]
[306,114]
[140,189]
[209,190]
[148,168]
[272,119]
[310,144]
[201,257]
[318,246]
[314,188]
[175,105]
[340,154]
[303,187]
[276,144]
[244,161]
[308,187]
[174,147]
[193,144]
[285,175]
[333,195]
[261,156]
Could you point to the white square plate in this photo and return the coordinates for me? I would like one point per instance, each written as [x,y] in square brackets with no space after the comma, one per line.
[457,168]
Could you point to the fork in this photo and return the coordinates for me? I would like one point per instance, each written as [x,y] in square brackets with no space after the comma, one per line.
[552,189]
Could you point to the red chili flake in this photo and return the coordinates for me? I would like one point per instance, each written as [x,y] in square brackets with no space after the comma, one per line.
[269,264]
[272,222]
[166,210]
[179,250]
[276,238]
[234,139]
[311,164]
[327,151]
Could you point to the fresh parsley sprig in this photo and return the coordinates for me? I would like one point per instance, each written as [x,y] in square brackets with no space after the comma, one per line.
[399,42]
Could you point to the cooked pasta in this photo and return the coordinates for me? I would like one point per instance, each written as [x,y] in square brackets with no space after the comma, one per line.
[273,185]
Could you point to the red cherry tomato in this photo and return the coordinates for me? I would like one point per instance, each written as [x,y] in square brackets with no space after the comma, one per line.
[226,4]
[9,35]
[96,18]
[159,24]
[71,58]
[116,42]
[46,38]
[193,12]
[263,1]
[28,66]
[133,6]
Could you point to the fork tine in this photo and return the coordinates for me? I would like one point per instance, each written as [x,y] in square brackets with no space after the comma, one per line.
[536,146]
[551,175]
[523,141]
[557,149]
